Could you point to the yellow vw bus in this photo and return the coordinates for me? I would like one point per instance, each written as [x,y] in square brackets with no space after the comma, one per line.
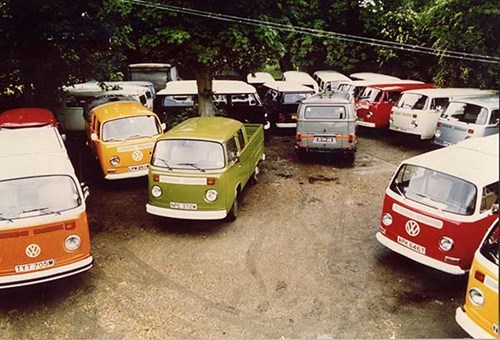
[121,136]
[479,315]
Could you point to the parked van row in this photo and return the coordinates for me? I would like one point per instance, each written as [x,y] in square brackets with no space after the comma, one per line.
[44,232]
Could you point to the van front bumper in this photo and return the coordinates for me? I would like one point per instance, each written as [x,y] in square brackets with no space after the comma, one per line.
[428,261]
[186,214]
[51,274]
[470,326]
[111,176]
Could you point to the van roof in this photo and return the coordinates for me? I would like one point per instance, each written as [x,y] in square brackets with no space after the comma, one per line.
[451,91]
[371,75]
[27,116]
[401,87]
[19,166]
[491,102]
[217,129]
[330,75]
[31,140]
[259,77]
[93,88]
[149,65]
[287,86]
[120,109]
[180,87]
[298,76]
[474,160]
[329,97]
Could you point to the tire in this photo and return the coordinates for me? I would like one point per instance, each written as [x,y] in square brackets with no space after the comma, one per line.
[350,157]
[233,213]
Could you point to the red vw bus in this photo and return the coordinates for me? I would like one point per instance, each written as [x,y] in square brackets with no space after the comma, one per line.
[439,205]
[375,103]
[27,117]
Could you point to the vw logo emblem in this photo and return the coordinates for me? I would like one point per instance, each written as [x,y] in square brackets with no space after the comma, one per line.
[33,250]
[137,155]
[412,228]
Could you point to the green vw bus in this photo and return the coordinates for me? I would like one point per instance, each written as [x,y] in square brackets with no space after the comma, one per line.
[200,167]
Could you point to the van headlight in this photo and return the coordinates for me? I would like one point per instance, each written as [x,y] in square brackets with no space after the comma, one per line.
[414,124]
[476,297]
[437,133]
[114,160]
[156,191]
[445,243]
[72,242]
[387,219]
[211,195]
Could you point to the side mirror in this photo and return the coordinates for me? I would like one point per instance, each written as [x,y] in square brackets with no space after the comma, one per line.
[86,190]
[163,126]
[63,136]
[494,208]
[93,137]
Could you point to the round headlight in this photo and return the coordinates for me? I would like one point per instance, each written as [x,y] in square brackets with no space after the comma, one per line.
[476,296]
[437,133]
[211,195]
[414,124]
[445,243]
[114,160]
[387,219]
[156,191]
[369,114]
[72,242]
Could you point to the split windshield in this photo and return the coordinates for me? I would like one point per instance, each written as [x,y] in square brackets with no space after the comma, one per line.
[35,196]
[435,189]
[188,154]
[130,128]
[412,101]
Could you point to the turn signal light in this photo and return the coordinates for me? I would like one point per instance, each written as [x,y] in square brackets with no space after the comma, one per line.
[470,131]
[70,225]
[351,138]
[156,178]
[210,181]
[298,137]
[479,276]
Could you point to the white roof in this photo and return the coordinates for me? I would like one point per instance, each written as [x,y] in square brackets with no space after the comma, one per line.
[93,88]
[474,160]
[490,102]
[329,75]
[183,87]
[451,92]
[297,76]
[370,75]
[32,140]
[150,65]
[259,77]
[288,86]
[19,166]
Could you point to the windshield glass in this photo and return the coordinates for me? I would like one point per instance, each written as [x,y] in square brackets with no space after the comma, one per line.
[490,248]
[325,112]
[34,196]
[467,113]
[294,98]
[412,101]
[130,127]
[372,95]
[435,189]
[178,100]
[188,154]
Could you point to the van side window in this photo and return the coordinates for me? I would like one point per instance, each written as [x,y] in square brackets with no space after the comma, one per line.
[232,150]
[490,196]
[98,128]
[439,103]
[495,117]
[241,139]
[143,99]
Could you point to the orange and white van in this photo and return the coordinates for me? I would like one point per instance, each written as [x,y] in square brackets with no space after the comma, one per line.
[439,204]
[122,135]
[479,315]
[44,233]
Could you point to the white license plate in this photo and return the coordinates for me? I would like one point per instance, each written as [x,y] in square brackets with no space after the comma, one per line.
[324,140]
[34,266]
[411,245]
[183,206]
[137,167]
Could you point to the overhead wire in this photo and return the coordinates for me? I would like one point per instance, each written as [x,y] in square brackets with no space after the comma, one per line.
[319,33]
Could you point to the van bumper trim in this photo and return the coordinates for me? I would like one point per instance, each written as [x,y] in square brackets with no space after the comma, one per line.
[186,214]
[127,175]
[426,260]
[470,326]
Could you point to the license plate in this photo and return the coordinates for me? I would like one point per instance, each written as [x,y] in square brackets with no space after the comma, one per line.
[137,167]
[324,140]
[183,206]
[22,268]
[411,245]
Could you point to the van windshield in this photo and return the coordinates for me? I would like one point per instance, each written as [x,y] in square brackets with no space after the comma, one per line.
[325,112]
[435,189]
[188,154]
[294,98]
[371,95]
[412,101]
[466,113]
[490,248]
[129,128]
[35,196]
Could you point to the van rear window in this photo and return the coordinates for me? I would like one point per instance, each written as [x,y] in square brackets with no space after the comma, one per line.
[325,112]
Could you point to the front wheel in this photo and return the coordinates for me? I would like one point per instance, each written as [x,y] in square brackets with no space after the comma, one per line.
[233,213]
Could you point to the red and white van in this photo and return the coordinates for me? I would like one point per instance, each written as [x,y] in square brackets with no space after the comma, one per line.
[439,205]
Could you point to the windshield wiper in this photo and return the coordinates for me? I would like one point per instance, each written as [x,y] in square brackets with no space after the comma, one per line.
[115,140]
[193,165]
[137,136]
[396,185]
[439,206]
[5,218]
[41,209]
[164,162]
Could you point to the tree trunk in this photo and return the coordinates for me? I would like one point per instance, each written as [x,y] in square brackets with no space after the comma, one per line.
[205,93]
